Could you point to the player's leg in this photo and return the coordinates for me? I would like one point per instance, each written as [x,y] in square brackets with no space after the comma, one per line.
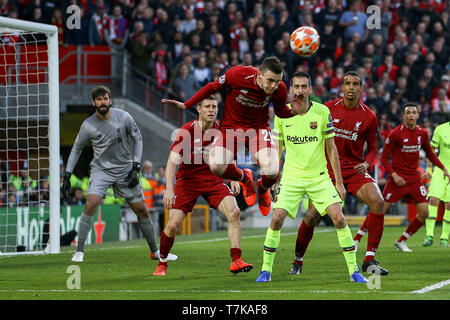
[413,226]
[371,195]
[416,193]
[99,182]
[271,243]
[361,233]
[436,192]
[445,225]
[228,206]
[221,164]
[345,240]
[167,239]
[269,165]
[85,224]
[430,222]
[304,235]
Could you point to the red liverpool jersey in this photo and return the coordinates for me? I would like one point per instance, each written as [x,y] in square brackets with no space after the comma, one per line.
[246,104]
[403,146]
[194,145]
[353,127]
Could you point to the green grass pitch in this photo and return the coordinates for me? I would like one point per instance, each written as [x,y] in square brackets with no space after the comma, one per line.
[123,270]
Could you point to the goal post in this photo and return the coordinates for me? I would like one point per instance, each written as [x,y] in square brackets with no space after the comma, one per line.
[29,130]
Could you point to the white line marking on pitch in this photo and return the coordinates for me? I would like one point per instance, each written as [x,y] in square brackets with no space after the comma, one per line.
[433,287]
[198,291]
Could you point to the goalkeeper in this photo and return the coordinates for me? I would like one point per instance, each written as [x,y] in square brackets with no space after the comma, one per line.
[117,144]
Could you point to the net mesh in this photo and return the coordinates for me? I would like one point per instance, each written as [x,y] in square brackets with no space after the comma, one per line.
[24,143]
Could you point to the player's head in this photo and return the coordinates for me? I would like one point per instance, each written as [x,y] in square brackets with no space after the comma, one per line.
[351,85]
[300,83]
[410,113]
[101,99]
[270,74]
[207,109]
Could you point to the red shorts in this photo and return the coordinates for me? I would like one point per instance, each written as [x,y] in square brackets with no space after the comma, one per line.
[188,191]
[353,181]
[252,139]
[413,193]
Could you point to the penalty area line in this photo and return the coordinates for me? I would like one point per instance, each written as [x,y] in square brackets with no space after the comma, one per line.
[433,287]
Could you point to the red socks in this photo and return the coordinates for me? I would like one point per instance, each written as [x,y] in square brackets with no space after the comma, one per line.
[304,236]
[411,229]
[267,183]
[166,244]
[362,230]
[234,173]
[235,253]
[375,227]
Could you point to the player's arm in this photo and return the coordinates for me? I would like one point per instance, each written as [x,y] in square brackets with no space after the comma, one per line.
[372,147]
[435,141]
[171,167]
[433,157]
[333,155]
[209,89]
[135,134]
[279,102]
[81,141]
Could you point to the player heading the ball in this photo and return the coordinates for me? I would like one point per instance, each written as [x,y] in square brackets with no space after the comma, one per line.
[245,122]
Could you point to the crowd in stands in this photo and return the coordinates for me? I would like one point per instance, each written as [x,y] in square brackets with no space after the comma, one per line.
[183,44]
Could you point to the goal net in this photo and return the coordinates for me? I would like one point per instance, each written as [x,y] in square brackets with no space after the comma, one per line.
[29,138]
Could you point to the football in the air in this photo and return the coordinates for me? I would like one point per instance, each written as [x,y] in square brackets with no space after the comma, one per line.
[305,41]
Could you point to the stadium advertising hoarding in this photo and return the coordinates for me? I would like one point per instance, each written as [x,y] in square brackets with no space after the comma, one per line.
[23,226]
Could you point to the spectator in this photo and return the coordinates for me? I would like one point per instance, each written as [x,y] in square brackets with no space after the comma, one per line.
[259,54]
[202,73]
[78,198]
[219,44]
[140,54]
[98,24]
[445,84]
[385,21]
[57,21]
[157,43]
[328,41]
[159,70]
[373,99]
[354,21]
[185,85]
[389,67]
[401,92]
[329,14]
[272,32]
[164,26]
[384,127]
[285,23]
[189,23]
[441,103]
[421,89]
[243,43]
[116,35]
[176,48]
[319,92]
[394,113]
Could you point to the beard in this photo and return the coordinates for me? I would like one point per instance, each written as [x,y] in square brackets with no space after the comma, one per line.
[103,111]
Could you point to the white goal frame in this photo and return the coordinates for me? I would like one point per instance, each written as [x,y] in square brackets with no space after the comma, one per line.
[51,31]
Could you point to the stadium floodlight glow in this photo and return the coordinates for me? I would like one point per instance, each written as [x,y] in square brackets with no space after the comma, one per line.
[29,133]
